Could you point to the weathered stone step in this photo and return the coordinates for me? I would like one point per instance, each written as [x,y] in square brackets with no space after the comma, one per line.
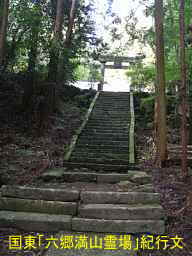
[101,147]
[87,139]
[116,99]
[101,151]
[110,93]
[48,194]
[112,112]
[114,96]
[113,119]
[118,226]
[97,160]
[40,206]
[111,104]
[102,197]
[96,177]
[107,121]
[120,212]
[98,143]
[122,168]
[114,115]
[105,130]
[35,221]
[111,108]
[104,136]
[106,125]
[103,155]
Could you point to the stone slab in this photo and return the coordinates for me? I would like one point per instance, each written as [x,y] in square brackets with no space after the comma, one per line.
[118,226]
[53,173]
[141,178]
[49,194]
[40,206]
[145,188]
[111,177]
[121,212]
[35,221]
[100,166]
[80,176]
[102,197]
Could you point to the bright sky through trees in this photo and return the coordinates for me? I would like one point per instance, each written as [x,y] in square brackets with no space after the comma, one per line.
[116,79]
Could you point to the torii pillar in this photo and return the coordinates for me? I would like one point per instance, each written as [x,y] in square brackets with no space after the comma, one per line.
[101,83]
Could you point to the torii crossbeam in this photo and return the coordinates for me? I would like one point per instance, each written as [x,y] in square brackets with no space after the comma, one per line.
[117,64]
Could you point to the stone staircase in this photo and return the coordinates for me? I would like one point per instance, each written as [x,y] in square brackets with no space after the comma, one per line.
[97,190]
[105,136]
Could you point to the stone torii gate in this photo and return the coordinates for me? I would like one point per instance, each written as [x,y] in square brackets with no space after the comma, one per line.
[117,64]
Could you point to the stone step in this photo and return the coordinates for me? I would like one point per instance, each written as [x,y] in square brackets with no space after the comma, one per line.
[119,96]
[107,125]
[107,122]
[87,176]
[122,130]
[112,104]
[118,226]
[35,222]
[95,140]
[102,197]
[112,125]
[103,93]
[97,160]
[116,116]
[106,137]
[121,212]
[100,143]
[40,193]
[40,206]
[104,131]
[113,98]
[121,168]
[111,112]
[101,155]
[123,108]
[101,118]
[113,115]
[101,147]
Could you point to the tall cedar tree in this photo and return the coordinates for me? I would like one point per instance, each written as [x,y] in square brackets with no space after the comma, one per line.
[160,85]
[56,41]
[183,89]
[3,28]
[71,24]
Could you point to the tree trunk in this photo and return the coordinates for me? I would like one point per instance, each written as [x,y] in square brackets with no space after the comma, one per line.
[56,42]
[71,24]
[183,89]
[160,79]
[67,42]
[3,30]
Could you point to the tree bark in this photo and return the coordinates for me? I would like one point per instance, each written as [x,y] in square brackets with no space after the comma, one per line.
[183,89]
[71,24]
[3,29]
[56,42]
[67,41]
[160,80]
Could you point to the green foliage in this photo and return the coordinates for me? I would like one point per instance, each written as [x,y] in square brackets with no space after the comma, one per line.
[141,76]
[147,105]
[171,38]
[30,31]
